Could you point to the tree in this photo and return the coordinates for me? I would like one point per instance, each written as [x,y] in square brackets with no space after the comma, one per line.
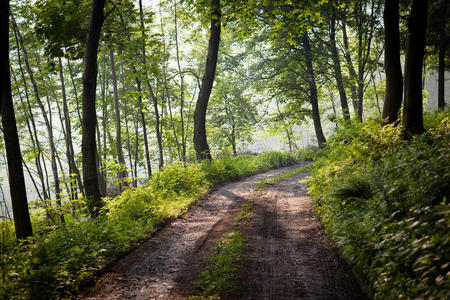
[53,151]
[412,110]
[200,142]
[313,90]
[89,121]
[337,65]
[438,43]
[19,201]
[122,174]
[392,66]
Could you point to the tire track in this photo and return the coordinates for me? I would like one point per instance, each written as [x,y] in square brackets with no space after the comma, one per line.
[298,262]
[166,266]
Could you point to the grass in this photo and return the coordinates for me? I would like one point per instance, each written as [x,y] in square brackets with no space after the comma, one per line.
[220,278]
[265,183]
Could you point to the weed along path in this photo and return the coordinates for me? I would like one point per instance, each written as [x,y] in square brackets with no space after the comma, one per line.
[288,256]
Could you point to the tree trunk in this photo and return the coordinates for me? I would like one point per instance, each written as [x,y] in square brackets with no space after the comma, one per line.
[47,122]
[392,66]
[183,137]
[72,79]
[441,84]
[412,111]
[103,178]
[89,122]
[34,143]
[70,151]
[337,66]
[200,142]
[313,91]
[40,167]
[155,104]
[17,188]
[351,70]
[122,175]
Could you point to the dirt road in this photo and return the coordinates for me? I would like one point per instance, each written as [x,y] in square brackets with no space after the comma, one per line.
[288,256]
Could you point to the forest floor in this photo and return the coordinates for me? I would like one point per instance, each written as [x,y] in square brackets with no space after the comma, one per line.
[288,256]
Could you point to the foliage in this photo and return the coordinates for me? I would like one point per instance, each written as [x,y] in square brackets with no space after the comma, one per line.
[57,261]
[384,200]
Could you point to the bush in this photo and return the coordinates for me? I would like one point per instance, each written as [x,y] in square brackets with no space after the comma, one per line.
[384,200]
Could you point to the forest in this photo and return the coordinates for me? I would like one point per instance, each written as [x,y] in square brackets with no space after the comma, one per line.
[118,116]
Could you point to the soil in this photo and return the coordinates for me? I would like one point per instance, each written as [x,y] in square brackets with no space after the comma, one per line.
[288,254]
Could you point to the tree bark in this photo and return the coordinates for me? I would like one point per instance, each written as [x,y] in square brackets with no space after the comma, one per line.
[200,142]
[441,71]
[122,175]
[183,137]
[337,66]
[47,122]
[17,188]
[73,169]
[413,110]
[313,91]
[392,66]
[89,121]
[34,142]
[40,167]
[351,70]
[154,101]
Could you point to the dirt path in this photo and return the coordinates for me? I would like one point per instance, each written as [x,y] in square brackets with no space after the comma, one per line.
[166,266]
[288,256]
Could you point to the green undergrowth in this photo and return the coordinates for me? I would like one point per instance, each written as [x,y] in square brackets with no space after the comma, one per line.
[220,278]
[56,262]
[263,184]
[384,200]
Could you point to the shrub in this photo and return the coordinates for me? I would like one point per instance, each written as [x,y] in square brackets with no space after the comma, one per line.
[384,200]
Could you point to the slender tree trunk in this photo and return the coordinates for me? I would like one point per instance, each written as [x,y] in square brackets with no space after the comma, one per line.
[376,96]
[17,188]
[33,142]
[74,86]
[158,130]
[392,66]
[413,110]
[89,122]
[70,151]
[183,141]
[232,122]
[167,95]
[337,67]
[351,70]
[46,119]
[441,84]
[200,142]
[122,175]
[313,91]
[40,166]
[136,150]
[130,153]
[360,81]
[104,80]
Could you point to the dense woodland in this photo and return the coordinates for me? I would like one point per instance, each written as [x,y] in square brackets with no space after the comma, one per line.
[118,114]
